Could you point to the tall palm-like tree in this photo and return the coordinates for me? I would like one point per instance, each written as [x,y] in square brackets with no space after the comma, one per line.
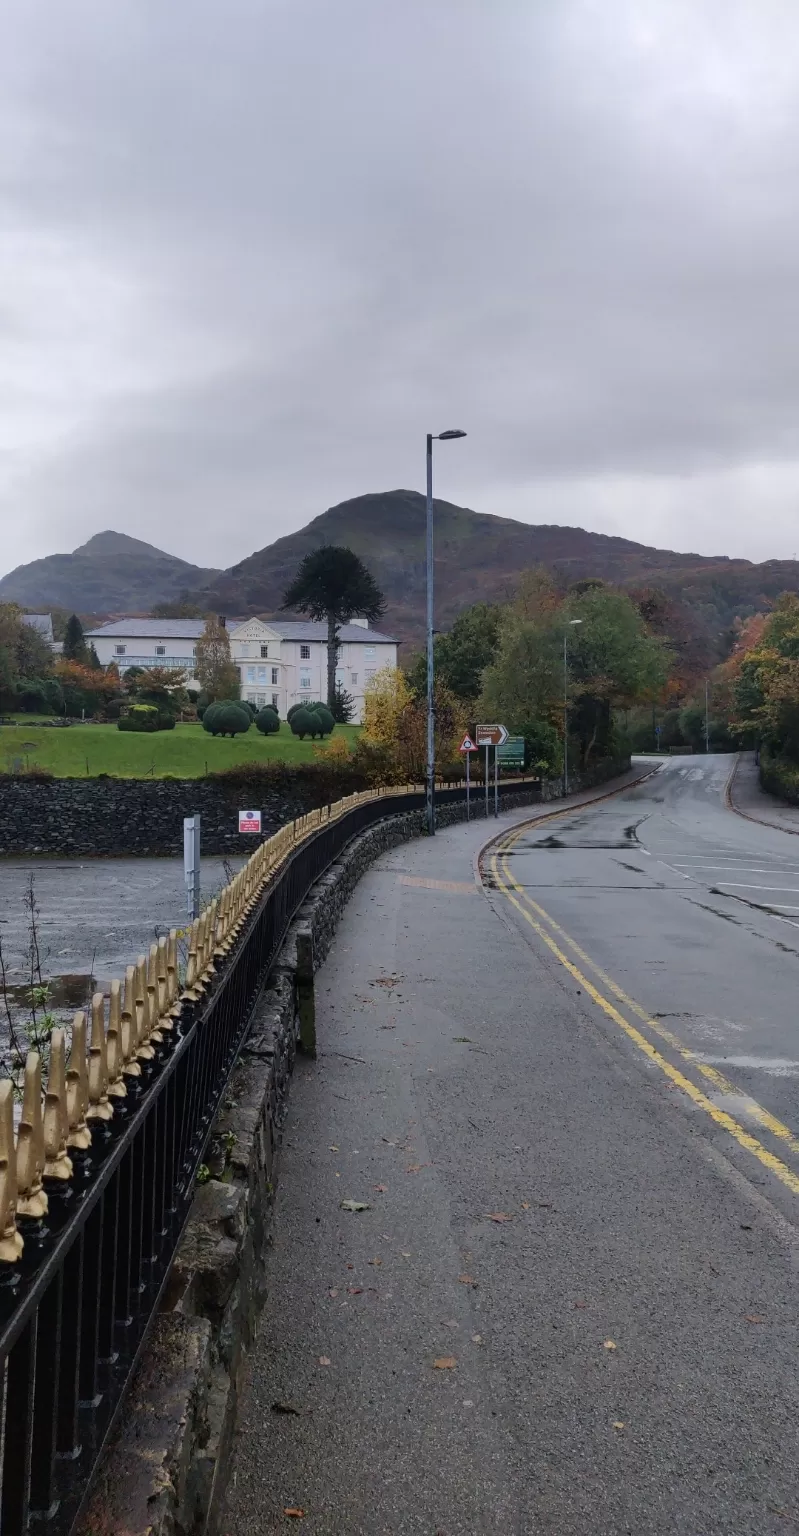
[334,585]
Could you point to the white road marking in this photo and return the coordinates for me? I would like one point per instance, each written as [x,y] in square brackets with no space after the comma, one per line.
[741,885]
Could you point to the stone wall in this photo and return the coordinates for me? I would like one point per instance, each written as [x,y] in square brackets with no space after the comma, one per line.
[95,817]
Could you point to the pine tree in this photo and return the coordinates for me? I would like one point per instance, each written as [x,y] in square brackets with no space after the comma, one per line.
[333,584]
[75,647]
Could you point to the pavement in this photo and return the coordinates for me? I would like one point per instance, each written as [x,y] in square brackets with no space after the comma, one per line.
[747,797]
[566,1096]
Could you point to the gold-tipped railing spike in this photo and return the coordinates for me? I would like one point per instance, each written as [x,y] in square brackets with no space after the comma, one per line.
[129,1040]
[79,1137]
[161,964]
[57,1163]
[144,1050]
[31,1198]
[209,936]
[172,977]
[192,960]
[113,1046]
[11,1243]
[154,1032]
[99,1105]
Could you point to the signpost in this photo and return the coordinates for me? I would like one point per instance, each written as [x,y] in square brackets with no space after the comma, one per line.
[511,752]
[491,736]
[467,747]
[249,821]
[191,864]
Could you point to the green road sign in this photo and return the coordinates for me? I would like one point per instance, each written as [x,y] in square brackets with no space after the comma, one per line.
[511,753]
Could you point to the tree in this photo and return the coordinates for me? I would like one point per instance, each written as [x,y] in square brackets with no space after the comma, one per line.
[333,585]
[34,656]
[214,667]
[385,697]
[165,687]
[461,656]
[74,647]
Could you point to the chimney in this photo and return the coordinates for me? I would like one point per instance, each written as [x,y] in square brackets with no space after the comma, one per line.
[222,621]
[361,623]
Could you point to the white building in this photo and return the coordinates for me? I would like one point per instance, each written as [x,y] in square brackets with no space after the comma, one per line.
[281,661]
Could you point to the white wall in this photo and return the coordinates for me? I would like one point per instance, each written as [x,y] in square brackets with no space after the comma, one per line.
[144,652]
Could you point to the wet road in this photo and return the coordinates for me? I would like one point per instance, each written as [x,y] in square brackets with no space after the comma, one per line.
[692,914]
[567,1105]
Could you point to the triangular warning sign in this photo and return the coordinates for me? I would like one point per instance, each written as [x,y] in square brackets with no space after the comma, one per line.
[467,745]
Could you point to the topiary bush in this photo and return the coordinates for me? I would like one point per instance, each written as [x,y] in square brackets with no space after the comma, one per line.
[201,703]
[295,709]
[267,722]
[304,723]
[145,718]
[325,718]
[229,720]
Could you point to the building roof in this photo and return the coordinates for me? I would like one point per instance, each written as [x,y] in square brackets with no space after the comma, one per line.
[145,629]
[42,623]
[191,629]
[306,629]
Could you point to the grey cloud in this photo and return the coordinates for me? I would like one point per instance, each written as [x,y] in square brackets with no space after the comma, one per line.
[321,228]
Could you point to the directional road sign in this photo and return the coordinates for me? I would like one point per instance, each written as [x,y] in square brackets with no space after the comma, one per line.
[490,735]
[467,745]
[511,753]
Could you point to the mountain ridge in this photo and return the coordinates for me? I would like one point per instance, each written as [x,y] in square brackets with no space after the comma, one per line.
[110,573]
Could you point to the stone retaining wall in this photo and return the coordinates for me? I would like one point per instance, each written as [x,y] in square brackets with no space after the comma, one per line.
[79,818]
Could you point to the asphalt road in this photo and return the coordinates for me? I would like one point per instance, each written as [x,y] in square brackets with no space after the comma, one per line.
[568,1098]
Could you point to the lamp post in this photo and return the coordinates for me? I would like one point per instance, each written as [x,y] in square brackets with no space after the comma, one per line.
[570,625]
[442,437]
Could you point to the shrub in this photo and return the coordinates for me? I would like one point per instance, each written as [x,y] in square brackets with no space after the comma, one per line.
[31,697]
[230,720]
[295,708]
[325,719]
[201,703]
[250,707]
[267,722]
[144,717]
[304,722]
[343,706]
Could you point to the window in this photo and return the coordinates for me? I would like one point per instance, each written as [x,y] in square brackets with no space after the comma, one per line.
[354,678]
[275,676]
[119,650]
[264,650]
[160,650]
[250,674]
[274,700]
[339,679]
[261,700]
[262,676]
[369,673]
[305,653]
[370,651]
[305,679]
[251,699]
[244,650]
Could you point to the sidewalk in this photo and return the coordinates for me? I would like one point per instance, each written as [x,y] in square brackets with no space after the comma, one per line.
[748,799]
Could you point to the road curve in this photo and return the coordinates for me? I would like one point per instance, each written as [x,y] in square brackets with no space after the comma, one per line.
[568,1100]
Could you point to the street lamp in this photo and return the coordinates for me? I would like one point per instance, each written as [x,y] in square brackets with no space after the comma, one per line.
[442,437]
[570,625]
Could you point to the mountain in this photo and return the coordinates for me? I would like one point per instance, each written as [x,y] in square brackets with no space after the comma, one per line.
[478,556]
[111,573]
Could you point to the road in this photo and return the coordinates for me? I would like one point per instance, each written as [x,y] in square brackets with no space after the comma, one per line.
[569,1099]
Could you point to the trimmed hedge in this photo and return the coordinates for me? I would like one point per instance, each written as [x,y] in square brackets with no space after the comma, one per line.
[267,722]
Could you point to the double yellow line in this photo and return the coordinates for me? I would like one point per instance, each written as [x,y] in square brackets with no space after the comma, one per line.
[537,918]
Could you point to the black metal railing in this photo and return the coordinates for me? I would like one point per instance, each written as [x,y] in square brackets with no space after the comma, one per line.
[101,1212]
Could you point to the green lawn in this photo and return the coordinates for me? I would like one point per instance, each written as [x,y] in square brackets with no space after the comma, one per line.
[79,751]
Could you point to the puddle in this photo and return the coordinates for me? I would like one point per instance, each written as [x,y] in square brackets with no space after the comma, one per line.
[70,990]
[775,1066]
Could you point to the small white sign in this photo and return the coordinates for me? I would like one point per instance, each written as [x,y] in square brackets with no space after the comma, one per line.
[249,821]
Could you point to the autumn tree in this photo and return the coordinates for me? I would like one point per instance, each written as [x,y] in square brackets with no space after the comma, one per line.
[214,666]
[461,656]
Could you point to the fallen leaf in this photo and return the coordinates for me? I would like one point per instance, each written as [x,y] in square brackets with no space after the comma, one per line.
[467,1402]
[323,1360]
[580,1306]
[462,1040]
[404,1254]
[525,1205]
[449,1322]
[355,1205]
[376,1262]
[609,1344]
[333,1149]
[445,1363]
[286,1408]
[381,1189]
[295,1513]
[746,1226]
[350,1266]
[618,1423]
[466,1280]
[416,1167]
[354,1290]
[385,1138]
[753,1317]
[333,1293]
[545,1205]
[477,1338]
[498,1216]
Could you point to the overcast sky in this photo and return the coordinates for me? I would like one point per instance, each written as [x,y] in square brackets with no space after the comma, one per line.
[250,252]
